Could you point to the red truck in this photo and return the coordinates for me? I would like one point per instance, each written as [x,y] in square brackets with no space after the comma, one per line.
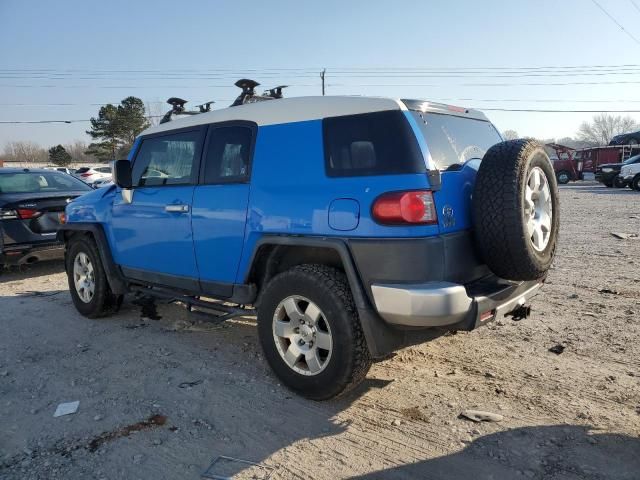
[572,164]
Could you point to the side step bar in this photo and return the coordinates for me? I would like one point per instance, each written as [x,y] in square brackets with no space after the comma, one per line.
[218,309]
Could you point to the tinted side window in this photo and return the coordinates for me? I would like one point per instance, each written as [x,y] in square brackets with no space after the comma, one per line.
[228,154]
[380,143]
[166,160]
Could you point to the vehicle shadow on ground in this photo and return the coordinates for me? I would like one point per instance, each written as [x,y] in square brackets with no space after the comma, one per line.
[23,272]
[545,452]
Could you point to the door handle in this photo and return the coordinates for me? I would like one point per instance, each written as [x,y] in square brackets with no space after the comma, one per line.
[176,208]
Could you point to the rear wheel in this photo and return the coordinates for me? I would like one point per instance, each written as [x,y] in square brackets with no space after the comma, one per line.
[516,210]
[563,177]
[88,283]
[310,332]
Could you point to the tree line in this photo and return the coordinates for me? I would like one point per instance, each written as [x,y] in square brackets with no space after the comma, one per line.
[113,131]
[597,132]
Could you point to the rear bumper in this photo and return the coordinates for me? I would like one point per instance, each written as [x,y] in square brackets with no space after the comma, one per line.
[439,304]
[23,253]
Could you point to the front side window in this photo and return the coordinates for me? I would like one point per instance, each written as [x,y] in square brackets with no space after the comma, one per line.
[166,160]
[228,154]
[379,143]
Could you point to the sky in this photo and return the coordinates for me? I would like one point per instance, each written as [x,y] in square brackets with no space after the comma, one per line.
[487,54]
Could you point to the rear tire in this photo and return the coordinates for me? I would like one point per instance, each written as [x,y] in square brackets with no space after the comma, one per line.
[88,283]
[516,210]
[618,182]
[291,301]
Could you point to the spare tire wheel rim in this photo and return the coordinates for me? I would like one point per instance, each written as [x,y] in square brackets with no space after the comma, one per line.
[302,335]
[83,277]
[538,209]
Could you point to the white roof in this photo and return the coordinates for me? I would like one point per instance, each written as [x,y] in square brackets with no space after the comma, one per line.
[285,110]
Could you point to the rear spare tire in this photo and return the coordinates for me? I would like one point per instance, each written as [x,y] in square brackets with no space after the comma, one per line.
[516,210]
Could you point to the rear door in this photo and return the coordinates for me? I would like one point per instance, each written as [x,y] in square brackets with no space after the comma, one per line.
[220,204]
[151,236]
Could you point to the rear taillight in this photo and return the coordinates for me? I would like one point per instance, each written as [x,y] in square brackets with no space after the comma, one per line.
[27,213]
[397,208]
[85,175]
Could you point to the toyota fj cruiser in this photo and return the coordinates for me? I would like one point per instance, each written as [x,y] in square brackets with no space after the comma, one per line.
[354,226]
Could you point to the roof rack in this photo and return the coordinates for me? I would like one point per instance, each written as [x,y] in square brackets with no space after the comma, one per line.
[248,94]
[177,108]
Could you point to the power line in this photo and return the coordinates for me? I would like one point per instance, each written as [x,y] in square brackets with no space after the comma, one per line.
[635,5]
[312,70]
[616,22]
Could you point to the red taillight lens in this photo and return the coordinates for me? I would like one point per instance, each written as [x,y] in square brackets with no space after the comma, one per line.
[398,208]
[26,213]
[85,175]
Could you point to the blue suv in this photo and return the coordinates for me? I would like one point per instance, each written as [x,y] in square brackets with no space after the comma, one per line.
[351,227]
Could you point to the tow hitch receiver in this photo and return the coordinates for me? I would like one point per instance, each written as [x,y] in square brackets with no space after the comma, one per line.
[520,313]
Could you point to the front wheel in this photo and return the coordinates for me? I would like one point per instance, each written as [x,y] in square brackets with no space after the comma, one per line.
[88,283]
[310,332]
[635,183]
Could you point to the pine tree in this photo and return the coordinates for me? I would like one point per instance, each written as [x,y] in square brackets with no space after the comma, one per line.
[116,127]
[59,156]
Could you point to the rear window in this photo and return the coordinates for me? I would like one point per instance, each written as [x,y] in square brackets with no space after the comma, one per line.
[380,143]
[82,170]
[454,140]
[31,182]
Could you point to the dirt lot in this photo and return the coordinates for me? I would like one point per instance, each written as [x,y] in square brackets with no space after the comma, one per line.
[572,415]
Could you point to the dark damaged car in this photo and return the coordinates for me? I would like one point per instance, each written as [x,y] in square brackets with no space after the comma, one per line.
[32,203]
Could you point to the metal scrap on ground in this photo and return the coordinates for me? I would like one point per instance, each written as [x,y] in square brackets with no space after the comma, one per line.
[67,408]
[481,416]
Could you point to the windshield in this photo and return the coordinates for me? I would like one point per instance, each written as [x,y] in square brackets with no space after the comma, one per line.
[631,160]
[454,140]
[40,182]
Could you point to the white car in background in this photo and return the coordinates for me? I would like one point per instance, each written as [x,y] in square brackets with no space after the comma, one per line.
[91,174]
[630,175]
[60,169]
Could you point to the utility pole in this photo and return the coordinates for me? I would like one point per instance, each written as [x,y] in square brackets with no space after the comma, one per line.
[324,70]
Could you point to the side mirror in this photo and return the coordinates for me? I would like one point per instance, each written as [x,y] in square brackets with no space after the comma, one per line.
[122,174]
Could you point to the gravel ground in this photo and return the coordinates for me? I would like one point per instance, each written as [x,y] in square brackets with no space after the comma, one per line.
[573,415]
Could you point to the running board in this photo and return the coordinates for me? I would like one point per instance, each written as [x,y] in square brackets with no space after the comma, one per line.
[220,311]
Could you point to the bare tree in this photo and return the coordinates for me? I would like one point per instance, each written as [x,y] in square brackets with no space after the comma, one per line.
[510,135]
[78,152]
[25,152]
[604,127]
